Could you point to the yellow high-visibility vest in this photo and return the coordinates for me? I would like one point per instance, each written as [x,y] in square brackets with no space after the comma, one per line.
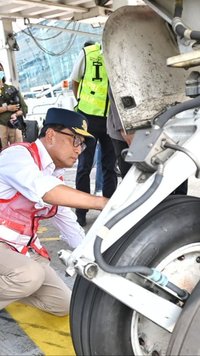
[93,88]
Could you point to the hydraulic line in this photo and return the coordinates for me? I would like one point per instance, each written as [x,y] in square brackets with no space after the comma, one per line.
[157,180]
[188,153]
[179,27]
[122,214]
[176,109]
[151,273]
[178,8]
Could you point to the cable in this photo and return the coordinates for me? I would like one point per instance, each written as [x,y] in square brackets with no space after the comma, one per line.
[187,152]
[64,50]
[27,22]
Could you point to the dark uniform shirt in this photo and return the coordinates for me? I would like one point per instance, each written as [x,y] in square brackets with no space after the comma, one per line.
[5,100]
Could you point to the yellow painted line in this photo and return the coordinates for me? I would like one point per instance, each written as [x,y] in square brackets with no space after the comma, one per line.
[53,238]
[50,333]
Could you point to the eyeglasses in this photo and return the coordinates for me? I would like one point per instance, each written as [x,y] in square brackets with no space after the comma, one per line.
[76,140]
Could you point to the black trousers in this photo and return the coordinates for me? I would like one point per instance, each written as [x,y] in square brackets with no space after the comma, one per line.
[97,127]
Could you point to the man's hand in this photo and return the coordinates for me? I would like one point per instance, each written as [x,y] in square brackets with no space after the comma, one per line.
[13,107]
[13,118]
[75,86]
[66,196]
[103,201]
[127,137]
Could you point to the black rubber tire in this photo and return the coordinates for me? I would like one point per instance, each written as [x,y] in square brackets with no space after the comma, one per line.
[185,337]
[100,324]
[32,130]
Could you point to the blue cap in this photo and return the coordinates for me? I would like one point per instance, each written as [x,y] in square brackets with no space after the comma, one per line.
[70,119]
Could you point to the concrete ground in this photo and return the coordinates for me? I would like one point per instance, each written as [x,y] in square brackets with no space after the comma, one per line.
[27,331]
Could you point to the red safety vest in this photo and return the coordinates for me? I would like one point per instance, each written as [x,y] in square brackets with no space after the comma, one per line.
[20,215]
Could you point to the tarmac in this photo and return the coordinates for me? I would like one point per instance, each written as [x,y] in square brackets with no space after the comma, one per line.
[28,331]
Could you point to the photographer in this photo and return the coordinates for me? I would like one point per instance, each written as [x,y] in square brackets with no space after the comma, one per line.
[12,110]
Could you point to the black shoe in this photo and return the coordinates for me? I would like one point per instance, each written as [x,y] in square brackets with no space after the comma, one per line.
[81,220]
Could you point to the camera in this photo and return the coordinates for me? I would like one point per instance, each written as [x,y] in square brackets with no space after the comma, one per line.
[13,99]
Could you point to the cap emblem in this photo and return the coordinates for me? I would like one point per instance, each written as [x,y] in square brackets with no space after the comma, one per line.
[84,125]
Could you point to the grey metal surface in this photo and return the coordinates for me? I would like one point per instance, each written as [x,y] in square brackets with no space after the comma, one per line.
[52,9]
[136,45]
[165,8]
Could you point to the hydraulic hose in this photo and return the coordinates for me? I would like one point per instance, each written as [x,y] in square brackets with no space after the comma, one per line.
[179,27]
[181,30]
[116,269]
[188,153]
[178,8]
[176,109]
[157,180]
[154,275]
[151,273]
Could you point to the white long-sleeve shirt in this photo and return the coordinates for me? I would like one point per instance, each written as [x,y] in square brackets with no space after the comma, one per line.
[19,173]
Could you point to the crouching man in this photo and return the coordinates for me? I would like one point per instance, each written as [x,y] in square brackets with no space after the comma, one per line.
[31,189]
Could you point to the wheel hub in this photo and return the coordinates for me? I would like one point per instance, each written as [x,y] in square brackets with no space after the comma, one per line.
[182,268]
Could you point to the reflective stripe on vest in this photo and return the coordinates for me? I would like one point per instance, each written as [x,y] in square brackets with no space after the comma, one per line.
[93,88]
[19,219]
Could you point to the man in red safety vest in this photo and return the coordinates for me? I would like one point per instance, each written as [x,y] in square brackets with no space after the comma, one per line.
[31,190]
